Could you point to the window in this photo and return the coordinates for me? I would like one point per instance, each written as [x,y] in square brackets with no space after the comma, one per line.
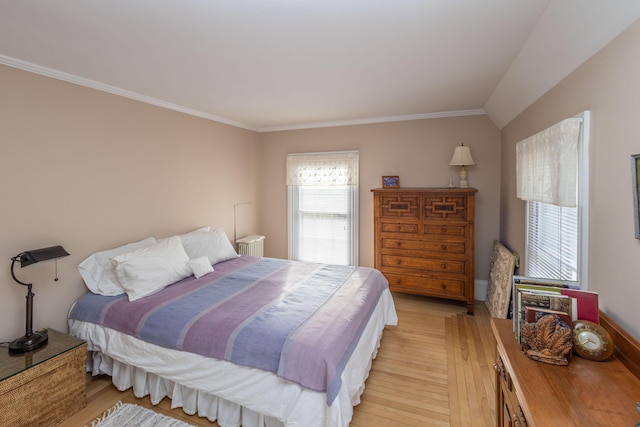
[552,174]
[323,207]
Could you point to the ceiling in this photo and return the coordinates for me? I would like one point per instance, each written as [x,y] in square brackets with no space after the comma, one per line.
[270,65]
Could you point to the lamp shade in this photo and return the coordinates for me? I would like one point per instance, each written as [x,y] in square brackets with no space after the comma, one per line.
[462,156]
[36,255]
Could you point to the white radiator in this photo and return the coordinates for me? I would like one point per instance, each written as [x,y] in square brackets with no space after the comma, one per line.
[251,245]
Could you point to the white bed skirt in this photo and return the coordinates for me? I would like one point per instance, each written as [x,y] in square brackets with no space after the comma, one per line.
[224,392]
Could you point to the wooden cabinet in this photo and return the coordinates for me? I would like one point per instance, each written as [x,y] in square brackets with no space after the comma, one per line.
[45,386]
[424,241]
[508,410]
[584,393]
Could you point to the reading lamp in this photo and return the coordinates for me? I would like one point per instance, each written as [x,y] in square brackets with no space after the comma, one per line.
[462,157]
[31,341]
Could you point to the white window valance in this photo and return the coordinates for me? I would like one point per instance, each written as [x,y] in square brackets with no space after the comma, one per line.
[325,169]
[547,165]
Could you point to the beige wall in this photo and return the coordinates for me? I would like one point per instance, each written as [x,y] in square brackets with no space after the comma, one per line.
[608,85]
[91,171]
[418,151]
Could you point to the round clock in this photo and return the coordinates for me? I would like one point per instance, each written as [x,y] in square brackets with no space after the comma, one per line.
[591,340]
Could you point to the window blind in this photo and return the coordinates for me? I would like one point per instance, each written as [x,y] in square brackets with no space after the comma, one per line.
[547,165]
[323,169]
[552,241]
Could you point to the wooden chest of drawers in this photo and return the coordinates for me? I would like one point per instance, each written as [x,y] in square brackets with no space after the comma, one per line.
[424,240]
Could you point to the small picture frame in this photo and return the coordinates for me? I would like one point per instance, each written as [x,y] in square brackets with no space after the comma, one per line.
[635,183]
[392,181]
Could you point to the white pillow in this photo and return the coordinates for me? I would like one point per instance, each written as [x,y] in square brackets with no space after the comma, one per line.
[194,236]
[197,230]
[151,269]
[213,244]
[99,273]
[200,266]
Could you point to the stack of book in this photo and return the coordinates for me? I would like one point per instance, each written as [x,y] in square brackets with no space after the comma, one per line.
[533,298]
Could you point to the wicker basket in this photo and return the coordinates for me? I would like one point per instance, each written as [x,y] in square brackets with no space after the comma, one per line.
[47,393]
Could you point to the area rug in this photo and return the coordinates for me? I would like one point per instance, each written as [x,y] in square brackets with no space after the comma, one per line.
[128,414]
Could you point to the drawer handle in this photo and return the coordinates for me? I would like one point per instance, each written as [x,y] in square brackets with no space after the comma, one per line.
[443,247]
[398,228]
[498,366]
[443,266]
[398,261]
[398,281]
[399,244]
[444,287]
[443,229]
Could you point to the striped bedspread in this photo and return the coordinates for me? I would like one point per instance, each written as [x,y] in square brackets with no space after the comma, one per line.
[298,320]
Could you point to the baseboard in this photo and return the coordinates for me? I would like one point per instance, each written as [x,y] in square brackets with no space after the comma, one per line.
[480,290]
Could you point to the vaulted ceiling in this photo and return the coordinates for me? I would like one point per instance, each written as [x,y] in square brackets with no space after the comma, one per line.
[283,64]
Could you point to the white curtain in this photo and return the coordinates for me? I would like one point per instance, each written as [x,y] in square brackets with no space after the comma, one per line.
[547,165]
[330,168]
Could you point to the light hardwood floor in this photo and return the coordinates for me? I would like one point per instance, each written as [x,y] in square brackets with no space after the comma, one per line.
[433,369]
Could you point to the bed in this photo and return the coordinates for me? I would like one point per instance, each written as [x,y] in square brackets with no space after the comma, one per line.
[257,342]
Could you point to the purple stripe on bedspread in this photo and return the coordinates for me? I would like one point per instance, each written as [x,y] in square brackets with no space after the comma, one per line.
[298,320]
[234,312]
[269,329]
[212,296]
[334,332]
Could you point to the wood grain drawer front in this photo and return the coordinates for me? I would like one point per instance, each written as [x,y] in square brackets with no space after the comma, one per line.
[428,264]
[400,227]
[458,248]
[417,284]
[458,231]
[449,207]
[399,206]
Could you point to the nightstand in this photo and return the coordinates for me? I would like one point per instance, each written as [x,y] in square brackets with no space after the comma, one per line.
[44,386]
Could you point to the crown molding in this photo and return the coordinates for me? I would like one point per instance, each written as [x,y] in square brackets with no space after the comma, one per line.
[71,78]
[404,118]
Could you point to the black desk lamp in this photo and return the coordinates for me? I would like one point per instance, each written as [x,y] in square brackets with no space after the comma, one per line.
[32,340]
